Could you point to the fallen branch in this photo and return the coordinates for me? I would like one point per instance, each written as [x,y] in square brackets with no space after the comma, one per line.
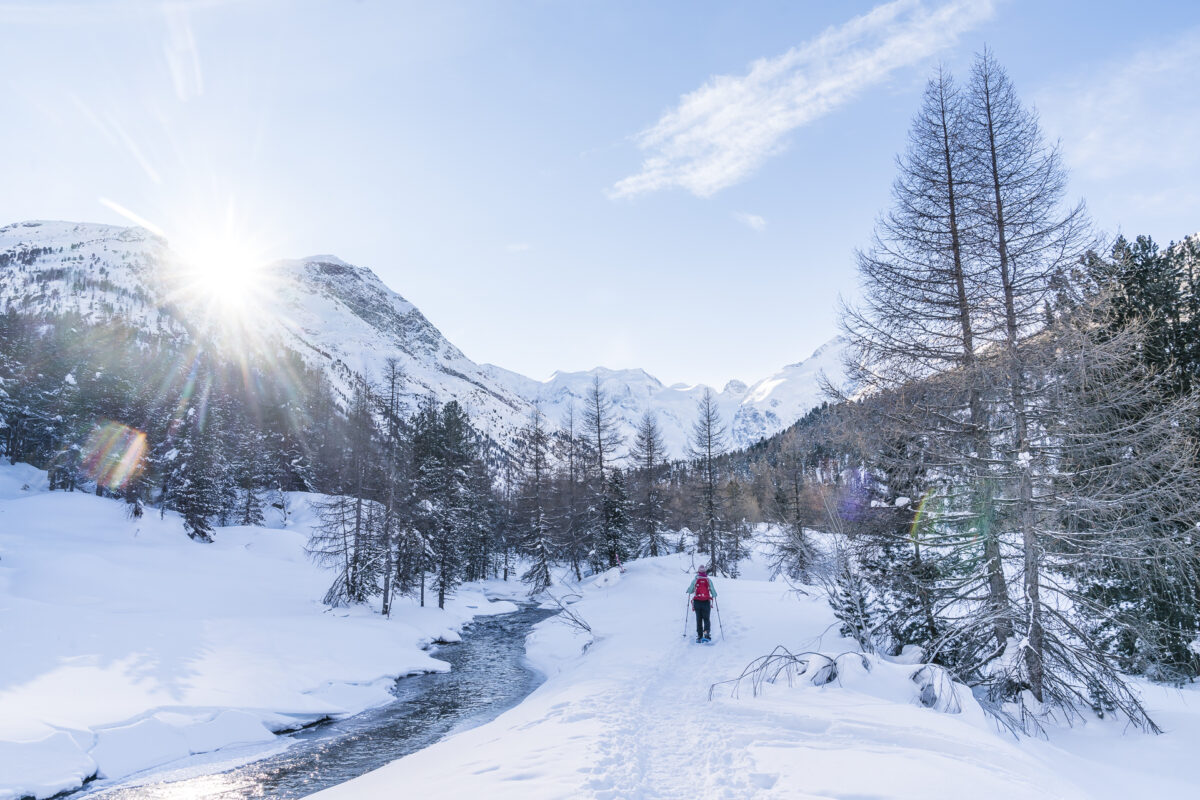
[568,616]
[781,661]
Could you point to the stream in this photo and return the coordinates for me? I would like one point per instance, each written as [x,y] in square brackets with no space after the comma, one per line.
[488,676]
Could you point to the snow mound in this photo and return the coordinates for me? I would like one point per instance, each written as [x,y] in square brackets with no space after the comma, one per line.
[126,749]
[44,767]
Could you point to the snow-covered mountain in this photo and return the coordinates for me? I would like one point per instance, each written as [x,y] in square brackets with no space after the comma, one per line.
[338,317]
[343,319]
[750,413]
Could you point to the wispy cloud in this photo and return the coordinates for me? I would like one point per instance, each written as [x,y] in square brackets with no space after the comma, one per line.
[518,247]
[724,131]
[752,221]
[1133,115]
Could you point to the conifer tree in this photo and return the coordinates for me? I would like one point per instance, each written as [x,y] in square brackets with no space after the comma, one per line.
[250,473]
[395,490]
[920,316]
[194,483]
[451,491]
[603,439]
[648,458]
[535,473]
[706,446]
[349,521]
[572,517]
[618,533]
[1025,241]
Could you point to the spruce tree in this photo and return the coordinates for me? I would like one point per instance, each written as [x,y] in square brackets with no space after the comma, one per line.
[706,446]
[648,458]
[194,482]
[619,541]
[534,500]
[603,439]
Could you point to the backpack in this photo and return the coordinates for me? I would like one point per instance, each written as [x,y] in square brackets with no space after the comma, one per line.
[702,589]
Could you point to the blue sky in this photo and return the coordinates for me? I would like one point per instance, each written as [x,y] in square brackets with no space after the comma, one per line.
[560,185]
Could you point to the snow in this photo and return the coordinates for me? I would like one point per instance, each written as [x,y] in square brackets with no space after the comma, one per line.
[126,749]
[227,728]
[44,767]
[625,713]
[750,412]
[127,645]
[343,319]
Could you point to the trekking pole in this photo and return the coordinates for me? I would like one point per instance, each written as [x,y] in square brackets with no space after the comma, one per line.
[720,624]
[686,608]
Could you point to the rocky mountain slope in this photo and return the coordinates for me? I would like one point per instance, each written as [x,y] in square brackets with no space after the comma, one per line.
[343,319]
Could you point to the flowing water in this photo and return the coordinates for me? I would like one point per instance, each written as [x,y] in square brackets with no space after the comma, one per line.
[488,675]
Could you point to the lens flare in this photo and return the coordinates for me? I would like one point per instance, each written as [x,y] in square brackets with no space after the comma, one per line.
[113,455]
[856,498]
[919,519]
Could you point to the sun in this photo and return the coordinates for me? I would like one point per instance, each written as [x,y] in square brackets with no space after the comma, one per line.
[215,272]
[225,286]
[229,275]
[225,276]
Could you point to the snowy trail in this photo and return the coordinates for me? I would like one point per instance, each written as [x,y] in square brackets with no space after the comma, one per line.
[664,740]
[639,724]
[630,719]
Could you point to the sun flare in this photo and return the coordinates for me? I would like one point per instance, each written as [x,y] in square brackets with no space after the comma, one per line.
[224,284]
[228,276]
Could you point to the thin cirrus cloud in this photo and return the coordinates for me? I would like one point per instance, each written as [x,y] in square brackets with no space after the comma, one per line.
[752,221]
[722,132]
[1135,114]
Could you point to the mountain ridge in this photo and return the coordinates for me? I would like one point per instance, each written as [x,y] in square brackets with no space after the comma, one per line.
[343,318]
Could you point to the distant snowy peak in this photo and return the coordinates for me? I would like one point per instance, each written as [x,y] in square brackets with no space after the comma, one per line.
[343,319]
[750,413]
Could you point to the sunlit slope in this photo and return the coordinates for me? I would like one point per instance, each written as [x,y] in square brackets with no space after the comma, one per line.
[338,317]
[344,320]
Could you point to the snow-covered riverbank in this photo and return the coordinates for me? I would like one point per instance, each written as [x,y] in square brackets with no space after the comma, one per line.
[630,718]
[126,645]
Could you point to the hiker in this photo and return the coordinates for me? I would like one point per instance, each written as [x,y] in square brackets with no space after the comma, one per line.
[703,593]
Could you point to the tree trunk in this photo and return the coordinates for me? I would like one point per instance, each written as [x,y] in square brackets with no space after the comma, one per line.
[1016,378]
